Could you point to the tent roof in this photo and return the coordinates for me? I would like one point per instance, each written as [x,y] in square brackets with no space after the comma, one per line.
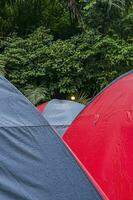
[102,138]
[34,162]
[42,107]
[61,113]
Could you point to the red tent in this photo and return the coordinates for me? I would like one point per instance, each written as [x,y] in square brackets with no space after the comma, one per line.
[102,138]
[42,107]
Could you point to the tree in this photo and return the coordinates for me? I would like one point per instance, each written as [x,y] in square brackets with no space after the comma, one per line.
[105,15]
[50,55]
[23,17]
[43,68]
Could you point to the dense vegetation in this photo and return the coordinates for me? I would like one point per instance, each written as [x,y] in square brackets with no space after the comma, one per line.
[53,49]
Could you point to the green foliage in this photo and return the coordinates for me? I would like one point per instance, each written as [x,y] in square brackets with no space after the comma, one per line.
[43,68]
[106,16]
[82,97]
[24,16]
[85,44]
[36,94]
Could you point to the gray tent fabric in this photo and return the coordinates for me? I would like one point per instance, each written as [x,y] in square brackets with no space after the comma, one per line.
[34,162]
[61,113]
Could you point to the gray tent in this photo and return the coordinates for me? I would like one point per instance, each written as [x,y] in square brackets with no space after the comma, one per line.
[34,162]
[61,113]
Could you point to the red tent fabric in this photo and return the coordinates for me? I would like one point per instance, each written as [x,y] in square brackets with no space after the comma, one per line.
[42,107]
[102,138]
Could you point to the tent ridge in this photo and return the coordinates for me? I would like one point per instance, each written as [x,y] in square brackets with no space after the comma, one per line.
[106,87]
[105,149]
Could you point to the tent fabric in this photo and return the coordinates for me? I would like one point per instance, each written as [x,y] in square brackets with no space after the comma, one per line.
[34,162]
[102,138]
[61,113]
[42,107]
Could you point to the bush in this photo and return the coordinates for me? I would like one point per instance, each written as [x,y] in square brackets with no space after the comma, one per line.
[43,68]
